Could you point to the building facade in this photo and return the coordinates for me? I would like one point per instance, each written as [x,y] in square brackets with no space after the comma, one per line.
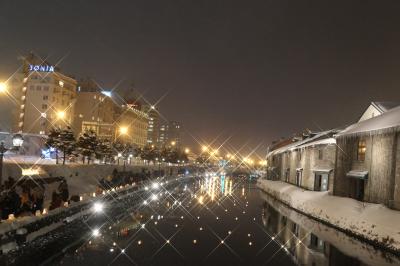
[94,111]
[175,133]
[44,97]
[153,129]
[308,163]
[131,125]
[368,160]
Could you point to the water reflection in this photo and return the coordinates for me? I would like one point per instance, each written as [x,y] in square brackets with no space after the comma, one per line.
[312,243]
[216,220]
[215,187]
[213,220]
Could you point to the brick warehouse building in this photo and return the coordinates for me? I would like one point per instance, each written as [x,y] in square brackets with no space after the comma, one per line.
[368,160]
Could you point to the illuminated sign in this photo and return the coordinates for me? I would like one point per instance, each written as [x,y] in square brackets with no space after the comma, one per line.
[40,68]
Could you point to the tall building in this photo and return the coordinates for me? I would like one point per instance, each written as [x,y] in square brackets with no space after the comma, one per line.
[44,96]
[170,134]
[163,135]
[94,110]
[174,133]
[153,130]
[131,124]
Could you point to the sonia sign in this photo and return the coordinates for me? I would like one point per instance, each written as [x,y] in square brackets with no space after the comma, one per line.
[41,68]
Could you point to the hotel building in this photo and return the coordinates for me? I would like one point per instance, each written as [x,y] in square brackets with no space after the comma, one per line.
[43,95]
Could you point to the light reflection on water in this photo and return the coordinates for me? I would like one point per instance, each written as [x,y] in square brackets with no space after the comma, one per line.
[219,220]
[312,243]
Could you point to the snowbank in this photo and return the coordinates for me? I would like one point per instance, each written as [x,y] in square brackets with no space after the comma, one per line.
[364,252]
[372,222]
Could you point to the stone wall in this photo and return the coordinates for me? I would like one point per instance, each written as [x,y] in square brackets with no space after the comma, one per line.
[308,161]
[380,162]
[396,187]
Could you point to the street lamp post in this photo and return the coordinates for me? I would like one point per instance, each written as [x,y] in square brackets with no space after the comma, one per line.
[3,150]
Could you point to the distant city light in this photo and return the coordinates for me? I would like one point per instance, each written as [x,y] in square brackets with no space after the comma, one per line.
[155,185]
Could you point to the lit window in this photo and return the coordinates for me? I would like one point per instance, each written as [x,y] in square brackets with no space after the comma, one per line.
[362,148]
[61,83]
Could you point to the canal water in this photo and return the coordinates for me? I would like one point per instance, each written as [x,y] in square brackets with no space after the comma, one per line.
[216,221]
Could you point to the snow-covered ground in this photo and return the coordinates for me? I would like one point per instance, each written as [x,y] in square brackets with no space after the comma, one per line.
[374,222]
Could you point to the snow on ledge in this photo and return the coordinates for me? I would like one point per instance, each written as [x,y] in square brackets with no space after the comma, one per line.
[374,222]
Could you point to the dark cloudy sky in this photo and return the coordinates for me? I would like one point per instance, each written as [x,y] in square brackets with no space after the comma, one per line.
[254,70]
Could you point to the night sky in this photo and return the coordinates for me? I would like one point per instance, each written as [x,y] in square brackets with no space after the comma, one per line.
[253,70]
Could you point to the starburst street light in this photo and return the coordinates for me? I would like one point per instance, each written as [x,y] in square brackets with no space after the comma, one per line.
[204,148]
[187,150]
[61,115]
[123,130]
[3,87]
[98,207]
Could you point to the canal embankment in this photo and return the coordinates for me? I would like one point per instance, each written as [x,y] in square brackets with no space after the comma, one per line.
[16,233]
[373,223]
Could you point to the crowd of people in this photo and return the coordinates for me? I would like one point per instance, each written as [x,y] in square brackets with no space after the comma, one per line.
[26,199]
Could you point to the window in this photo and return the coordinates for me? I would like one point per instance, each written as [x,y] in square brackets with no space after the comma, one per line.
[31,87]
[320,154]
[45,97]
[46,88]
[362,148]
[44,106]
[299,154]
[38,88]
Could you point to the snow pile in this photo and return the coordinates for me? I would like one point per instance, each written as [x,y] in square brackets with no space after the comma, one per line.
[363,251]
[374,222]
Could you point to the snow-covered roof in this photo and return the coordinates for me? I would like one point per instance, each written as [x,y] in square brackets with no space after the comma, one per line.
[385,106]
[326,141]
[321,138]
[387,122]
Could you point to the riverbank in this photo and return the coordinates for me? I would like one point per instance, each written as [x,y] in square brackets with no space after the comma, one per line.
[373,223]
[32,227]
